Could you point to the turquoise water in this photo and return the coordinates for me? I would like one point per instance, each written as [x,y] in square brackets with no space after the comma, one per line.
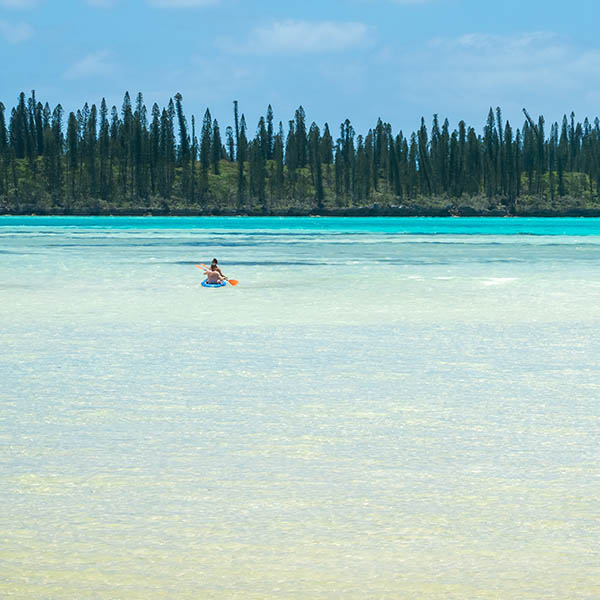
[394,225]
[383,408]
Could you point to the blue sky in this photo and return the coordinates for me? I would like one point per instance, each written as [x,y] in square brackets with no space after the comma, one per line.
[357,59]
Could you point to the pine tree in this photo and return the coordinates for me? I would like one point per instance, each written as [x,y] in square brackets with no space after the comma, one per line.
[572,143]
[140,150]
[237,129]
[394,177]
[327,153]
[3,152]
[216,147]
[31,129]
[277,179]
[263,138]
[551,152]
[39,127]
[103,151]
[3,131]
[168,146]
[379,153]
[19,130]
[373,160]
[402,154]
[518,165]
[490,145]
[541,155]
[596,154]
[206,141]
[300,138]
[58,142]
[528,155]
[115,151]
[388,158]
[435,157]
[413,177]
[461,162]
[82,117]
[326,146]
[184,138]
[269,133]
[90,147]
[314,153]
[510,167]
[453,166]
[473,163]
[501,185]
[257,165]
[230,144]
[155,161]
[184,147]
[72,147]
[587,162]
[242,156]
[291,158]
[126,147]
[52,156]
[346,144]
[444,158]
[166,153]
[361,180]
[425,172]
[204,175]
[338,164]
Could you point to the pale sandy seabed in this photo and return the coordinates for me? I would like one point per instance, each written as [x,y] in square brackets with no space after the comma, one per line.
[364,416]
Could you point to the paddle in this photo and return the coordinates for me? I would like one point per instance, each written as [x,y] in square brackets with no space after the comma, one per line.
[231,281]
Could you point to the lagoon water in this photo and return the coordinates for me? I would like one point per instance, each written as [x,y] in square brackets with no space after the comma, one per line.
[383,408]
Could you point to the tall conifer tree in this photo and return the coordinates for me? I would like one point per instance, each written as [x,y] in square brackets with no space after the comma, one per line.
[216,147]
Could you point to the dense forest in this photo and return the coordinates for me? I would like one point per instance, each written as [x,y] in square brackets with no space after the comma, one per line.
[129,161]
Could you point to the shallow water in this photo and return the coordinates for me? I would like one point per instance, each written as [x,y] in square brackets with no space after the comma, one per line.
[383,408]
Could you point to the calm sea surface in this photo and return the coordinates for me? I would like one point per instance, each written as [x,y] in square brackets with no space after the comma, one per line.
[383,408]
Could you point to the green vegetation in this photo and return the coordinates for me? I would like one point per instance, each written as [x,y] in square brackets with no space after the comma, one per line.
[130,162]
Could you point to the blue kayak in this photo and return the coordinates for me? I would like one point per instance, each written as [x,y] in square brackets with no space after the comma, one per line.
[213,285]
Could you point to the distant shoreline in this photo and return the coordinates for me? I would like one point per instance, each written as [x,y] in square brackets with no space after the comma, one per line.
[367,211]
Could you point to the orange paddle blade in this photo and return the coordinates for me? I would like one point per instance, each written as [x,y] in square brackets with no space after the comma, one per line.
[233,281]
[201,267]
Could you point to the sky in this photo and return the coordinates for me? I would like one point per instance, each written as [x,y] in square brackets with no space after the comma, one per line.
[399,60]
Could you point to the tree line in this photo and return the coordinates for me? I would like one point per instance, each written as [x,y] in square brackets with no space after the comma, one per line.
[98,159]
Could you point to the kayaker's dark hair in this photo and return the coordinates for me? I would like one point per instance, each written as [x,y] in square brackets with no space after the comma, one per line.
[215,261]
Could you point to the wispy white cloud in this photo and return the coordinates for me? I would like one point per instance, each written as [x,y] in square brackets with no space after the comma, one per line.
[400,2]
[534,68]
[18,4]
[96,64]
[182,3]
[16,33]
[301,37]
[223,75]
[101,3]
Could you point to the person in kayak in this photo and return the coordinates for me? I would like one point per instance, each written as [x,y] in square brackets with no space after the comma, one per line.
[214,275]
[215,264]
